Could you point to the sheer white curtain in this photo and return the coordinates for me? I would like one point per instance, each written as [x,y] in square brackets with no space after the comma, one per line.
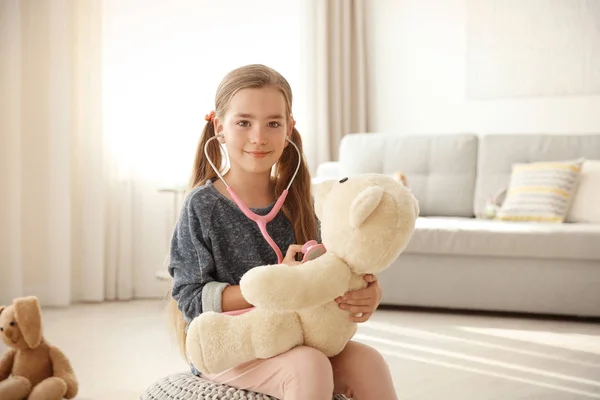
[334,74]
[102,105]
[162,62]
[64,218]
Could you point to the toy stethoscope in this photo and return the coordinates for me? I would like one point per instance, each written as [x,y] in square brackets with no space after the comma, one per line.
[311,249]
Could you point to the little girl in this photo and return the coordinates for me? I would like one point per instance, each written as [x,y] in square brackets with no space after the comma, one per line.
[214,243]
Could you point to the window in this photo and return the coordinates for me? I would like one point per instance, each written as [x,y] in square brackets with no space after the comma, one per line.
[162,62]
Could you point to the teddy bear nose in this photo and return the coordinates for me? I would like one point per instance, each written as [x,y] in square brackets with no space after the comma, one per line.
[7,331]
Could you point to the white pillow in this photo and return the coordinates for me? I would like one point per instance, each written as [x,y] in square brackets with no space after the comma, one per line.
[586,203]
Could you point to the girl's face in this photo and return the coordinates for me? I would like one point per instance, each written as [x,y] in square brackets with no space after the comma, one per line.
[255,128]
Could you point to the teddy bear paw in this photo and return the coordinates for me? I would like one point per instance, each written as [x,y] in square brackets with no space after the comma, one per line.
[15,387]
[194,347]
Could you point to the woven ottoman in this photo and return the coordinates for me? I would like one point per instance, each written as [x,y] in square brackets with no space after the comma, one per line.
[186,386]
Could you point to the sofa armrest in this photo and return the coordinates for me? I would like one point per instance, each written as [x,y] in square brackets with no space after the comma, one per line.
[329,169]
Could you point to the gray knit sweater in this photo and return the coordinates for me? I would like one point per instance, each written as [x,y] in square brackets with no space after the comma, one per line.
[214,244]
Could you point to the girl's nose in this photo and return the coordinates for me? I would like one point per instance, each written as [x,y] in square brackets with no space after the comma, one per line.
[258,136]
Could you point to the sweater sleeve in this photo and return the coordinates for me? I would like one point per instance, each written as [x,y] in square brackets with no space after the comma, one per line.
[192,267]
[318,226]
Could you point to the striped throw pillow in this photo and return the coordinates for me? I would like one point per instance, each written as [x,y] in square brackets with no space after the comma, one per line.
[540,191]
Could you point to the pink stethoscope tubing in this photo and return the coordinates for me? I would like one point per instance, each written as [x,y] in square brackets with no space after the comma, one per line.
[261,220]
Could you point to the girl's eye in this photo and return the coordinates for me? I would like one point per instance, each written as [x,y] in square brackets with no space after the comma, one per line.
[243,123]
[274,124]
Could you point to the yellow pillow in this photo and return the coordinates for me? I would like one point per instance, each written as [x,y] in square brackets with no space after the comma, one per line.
[540,191]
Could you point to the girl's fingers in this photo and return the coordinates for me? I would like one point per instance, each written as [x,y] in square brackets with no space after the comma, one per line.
[359,294]
[358,302]
[356,309]
[290,255]
[362,318]
[293,250]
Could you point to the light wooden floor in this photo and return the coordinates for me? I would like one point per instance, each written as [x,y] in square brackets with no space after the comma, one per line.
[118,349]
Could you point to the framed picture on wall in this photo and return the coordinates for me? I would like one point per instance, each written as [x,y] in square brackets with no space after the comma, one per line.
[519,48]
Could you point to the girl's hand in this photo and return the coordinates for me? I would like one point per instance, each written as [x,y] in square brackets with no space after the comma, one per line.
[363,301]
[290,255]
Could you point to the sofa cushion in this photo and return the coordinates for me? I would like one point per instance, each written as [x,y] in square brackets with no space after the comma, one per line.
[440,168]
[327,170]
[477,237]
[498,153]
[586,203]
[540,191]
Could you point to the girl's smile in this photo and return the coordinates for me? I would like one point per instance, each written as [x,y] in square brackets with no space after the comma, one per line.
[257,153]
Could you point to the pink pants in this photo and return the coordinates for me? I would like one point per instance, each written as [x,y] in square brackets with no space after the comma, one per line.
[303,373]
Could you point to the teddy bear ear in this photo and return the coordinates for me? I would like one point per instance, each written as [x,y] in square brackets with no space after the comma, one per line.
[364,204]
[2,309]
[29,316]
[417,208]
[320,191]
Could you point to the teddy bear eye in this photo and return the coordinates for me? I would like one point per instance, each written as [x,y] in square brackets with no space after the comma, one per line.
[12,323]
[1,329]
[343,180]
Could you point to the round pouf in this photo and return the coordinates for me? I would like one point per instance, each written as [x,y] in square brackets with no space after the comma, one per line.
[186,386]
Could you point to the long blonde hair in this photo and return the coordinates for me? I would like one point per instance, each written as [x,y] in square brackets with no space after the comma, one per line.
[298,206]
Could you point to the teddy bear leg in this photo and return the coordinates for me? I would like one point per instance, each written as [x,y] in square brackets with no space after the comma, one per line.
[49,389]
[217,342]
[15,388]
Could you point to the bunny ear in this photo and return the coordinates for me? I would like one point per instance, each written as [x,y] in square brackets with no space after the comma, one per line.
[29,316]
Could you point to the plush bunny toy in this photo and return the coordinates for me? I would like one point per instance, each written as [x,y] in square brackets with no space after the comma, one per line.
[32,368]
[367,221]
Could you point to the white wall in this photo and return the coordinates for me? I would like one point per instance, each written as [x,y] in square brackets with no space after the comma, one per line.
[417,78]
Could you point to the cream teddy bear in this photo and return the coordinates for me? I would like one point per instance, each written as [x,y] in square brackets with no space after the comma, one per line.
[366,221]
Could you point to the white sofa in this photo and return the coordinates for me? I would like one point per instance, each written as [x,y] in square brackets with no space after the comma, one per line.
[458,261]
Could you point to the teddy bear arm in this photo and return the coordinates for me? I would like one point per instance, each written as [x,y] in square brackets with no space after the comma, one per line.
[6,364]
[62,369]
[285,288]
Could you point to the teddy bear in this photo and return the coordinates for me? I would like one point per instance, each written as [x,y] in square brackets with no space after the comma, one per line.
[31,368]
[366,222]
